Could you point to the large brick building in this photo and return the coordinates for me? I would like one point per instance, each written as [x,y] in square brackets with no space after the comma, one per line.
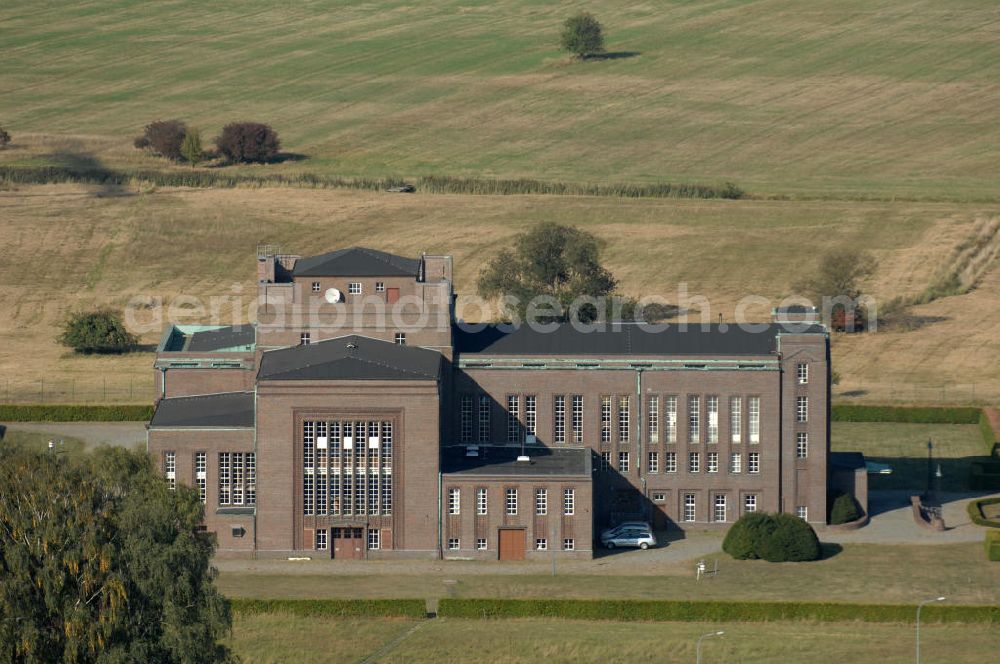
[359,419]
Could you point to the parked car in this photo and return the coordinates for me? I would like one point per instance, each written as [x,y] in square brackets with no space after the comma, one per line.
[640,537]
[643,525]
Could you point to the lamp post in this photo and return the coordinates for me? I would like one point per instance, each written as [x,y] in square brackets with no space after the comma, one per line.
[920,606]
[697,650]
[930,468]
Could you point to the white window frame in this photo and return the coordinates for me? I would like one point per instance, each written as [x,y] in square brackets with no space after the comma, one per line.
[354,288]
[750,503]
[670,462]
[753,416]
[316,287]
[720,504]
[482,501]
[694,462]
[577,415]
[801,409]
[605,460]
[454,543]
[569,502]
[753,463]
[320,542]
[379,286]
[454,501]
[374,539]
[201,475]
[802,512]
[569,544]
[802,373]
[513,418]
[713,419]
[623,462]
[712,462]
[654,462]
[170,468]
[653,418]
[689,513]
[481,544]
[541,544]
[624,418]
[530,415]
[484,424]
[305,338]
[605,418]
[736,463]
[465,418]
[541,502]
[399,338]
[735,419]
[670,416]
[801,445]
[510,501]
[694,418]
[559,418]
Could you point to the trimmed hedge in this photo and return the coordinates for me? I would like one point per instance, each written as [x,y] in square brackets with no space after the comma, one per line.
[336,608]
[993,546]
[66,413]
[974,508]
[844,509]
[989,435]
[776,538]
[909,415]
[682,611]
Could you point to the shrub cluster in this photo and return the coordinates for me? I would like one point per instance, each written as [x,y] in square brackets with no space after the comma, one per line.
[72,413]
[776,538]
[844,509]
[164,137]
[246,142]
[975,510]
[4,138]
[670,610]
[993,545]
[97,332]
[903,414]
[335,608]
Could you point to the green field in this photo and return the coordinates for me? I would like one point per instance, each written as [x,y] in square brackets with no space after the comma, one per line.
[278,638]
[831,98]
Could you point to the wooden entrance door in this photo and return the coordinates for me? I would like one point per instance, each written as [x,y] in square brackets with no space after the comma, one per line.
[348,543]
[391,295]
[512,544]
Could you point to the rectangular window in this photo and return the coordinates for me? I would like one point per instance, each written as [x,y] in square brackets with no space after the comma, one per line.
[541,502]
[753,462]
[321,539]
[170,468]
[577,418]
[735,462]
[654,419]
[379,286]
[400,338]
[511,505]
[530,414]
[720,508]
[513,419]
[713,462]
[750,503]
[801,445]
[694,419]
[569,502]
[623,462]
[688,514]
[454,501]
[200,474]
[481,502]
[605,460]
[802,512]
[735,419]
[559,419]
[316,287]
[569,544]
[670,411]
[484,419]
[605,419]
[305,339]
[453,543]
[713,419]
[802,373]
[654,462]
[251,461]
[346,469]
[466,414]
[237,488]
[354,288]
[694,462]
[659,497]
[225,480]
[374,539]
[670,462]
[753,406]
[623,419]
[801,409]
[481,544]
[541,544]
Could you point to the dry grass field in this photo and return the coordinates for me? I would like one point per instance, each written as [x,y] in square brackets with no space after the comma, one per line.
[69,247]
[830,98]
[270,639]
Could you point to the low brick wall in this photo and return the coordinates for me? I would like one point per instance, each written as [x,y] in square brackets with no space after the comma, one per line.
[921,517]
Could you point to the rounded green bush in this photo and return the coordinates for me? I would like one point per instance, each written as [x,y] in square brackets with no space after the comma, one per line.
[845,509]
[772,537]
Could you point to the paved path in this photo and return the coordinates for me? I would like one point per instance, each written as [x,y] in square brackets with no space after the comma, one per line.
[123,434]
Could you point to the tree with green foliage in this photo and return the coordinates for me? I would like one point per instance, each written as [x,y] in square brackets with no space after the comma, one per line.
[583,35]
[97,332]
[164,137]
[560,263]
[844,509]
[246,142]
[836,286]
[191,147]
[100,561]
[772,537]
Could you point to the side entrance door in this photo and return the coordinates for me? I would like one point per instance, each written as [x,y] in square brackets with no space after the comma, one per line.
[391,295]
[512,543]
[348,543]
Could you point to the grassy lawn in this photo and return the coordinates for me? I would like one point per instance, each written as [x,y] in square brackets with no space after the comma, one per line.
[40,441]
[904,447]
[96,249]
[261,639]
[859,573]
[843,98]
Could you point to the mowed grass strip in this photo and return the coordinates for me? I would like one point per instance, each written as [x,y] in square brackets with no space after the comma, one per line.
[271,639]
[835,98]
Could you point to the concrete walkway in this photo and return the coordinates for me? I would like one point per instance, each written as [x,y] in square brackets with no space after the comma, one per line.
[93,434]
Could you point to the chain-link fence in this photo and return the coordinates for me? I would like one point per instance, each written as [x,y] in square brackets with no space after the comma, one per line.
[951,394]
[117,389]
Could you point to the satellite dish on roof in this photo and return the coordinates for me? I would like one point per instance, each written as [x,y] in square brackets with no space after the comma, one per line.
[333,295]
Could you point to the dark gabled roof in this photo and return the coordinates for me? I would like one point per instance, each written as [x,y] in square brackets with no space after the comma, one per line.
[350,358]
[622,339]
[225,337]
[495,460]
[357,262]
[223,410]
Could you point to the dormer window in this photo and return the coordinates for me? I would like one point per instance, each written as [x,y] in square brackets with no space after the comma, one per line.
[379,286]
[354,288]
[315,286]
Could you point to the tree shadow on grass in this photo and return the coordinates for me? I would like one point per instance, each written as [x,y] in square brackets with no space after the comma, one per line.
[282,157]
[613,55]
[829,550]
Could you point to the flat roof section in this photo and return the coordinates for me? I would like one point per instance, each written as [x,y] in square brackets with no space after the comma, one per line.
[225,410]
[209,338]
[629,339]
[357,262]
[502,461]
